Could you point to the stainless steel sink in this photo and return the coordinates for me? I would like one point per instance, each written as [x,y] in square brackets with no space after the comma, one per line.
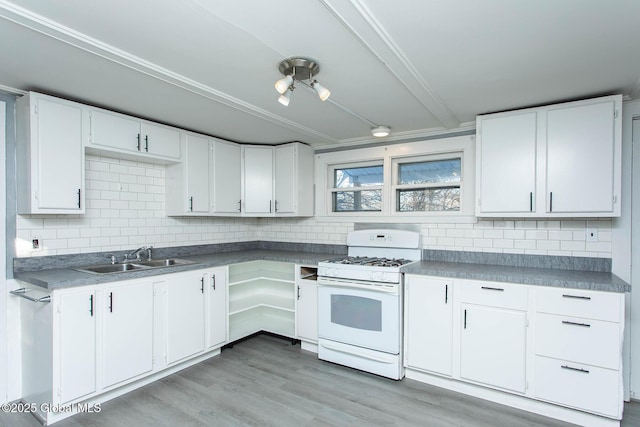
[163,262]
[110,268]
[132,266]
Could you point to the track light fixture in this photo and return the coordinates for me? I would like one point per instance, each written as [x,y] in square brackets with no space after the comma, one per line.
[299,69]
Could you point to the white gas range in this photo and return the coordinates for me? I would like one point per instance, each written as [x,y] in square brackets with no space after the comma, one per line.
[360,301]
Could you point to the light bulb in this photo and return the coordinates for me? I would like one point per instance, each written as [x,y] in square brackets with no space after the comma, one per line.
[283,84]
[323,92]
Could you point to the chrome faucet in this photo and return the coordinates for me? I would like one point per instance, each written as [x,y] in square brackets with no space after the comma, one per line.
[136,253]
[149,253]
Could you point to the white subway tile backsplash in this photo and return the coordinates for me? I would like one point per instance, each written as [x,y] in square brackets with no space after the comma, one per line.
[125,203]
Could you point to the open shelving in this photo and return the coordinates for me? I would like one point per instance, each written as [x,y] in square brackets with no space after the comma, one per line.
[261,298]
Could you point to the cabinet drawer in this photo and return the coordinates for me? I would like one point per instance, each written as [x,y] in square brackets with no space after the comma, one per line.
[579,386]
[579,303]
[593,342]
[494,294]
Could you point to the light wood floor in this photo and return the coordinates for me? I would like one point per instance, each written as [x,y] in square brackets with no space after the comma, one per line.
[267,381]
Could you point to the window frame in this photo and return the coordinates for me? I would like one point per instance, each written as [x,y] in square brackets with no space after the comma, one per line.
[395,177]
[332,189]
[327,160]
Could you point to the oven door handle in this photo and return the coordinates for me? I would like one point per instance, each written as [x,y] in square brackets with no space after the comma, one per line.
[355,284]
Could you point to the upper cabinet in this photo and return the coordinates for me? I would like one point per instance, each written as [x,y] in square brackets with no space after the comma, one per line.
[50,133]
[277,181]
[125,134]
[226,199]
[556,161]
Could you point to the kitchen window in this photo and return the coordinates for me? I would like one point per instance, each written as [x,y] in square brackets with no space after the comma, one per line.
[402,182]
[357,188]
[428,183]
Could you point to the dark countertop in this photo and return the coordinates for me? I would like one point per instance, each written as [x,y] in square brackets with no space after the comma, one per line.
[58,278]
[596,281]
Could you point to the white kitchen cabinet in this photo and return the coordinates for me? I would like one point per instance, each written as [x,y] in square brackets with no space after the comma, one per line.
[185,309]
[293,168]
[506,158]
[257,173]
[277,180]
[261,298]
[307,304]
[429,324]
[578,338]
[51,133]
[493,334]
[127,322]
[216,280]
[227,178]
[553,161]
[124,134]
[76,313]
[188,183]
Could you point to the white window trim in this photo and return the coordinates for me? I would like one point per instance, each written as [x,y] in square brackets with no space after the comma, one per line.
[327,162]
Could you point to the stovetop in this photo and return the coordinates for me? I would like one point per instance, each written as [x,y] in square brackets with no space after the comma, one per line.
[370,261]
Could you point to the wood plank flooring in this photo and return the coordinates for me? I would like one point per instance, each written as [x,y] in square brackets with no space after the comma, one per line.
[266,381]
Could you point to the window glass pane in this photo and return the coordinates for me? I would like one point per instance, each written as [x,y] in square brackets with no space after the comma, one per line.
[363,200]
[356,312]
[358,177]
[429,172]
[429,199]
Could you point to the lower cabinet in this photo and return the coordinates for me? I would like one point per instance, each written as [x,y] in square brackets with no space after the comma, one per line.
[78,343]
[74,338]
[493,347]
[555,345]
[127,351]
[185,315]
[307,304]
[429,324]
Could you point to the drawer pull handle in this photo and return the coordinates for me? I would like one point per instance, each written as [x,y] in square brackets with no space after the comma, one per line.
[489,288]
[566,322]
[575,297]
[584,371]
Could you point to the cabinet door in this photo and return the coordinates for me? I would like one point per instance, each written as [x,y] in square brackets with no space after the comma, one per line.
[258,180]
[115,131]
[307,310]
[185,316]
[216,281]
[197,173]
[77,339]
[429,324]
[492,346]
[580,158]
[285,174]
[160,140]
[226,177]
[59,142]
[127,331]
[507,164]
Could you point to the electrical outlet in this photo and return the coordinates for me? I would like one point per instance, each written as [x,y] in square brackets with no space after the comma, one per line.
[591,234]
[36,243]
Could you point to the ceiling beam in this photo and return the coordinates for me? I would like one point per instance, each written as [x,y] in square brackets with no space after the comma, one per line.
[361,22]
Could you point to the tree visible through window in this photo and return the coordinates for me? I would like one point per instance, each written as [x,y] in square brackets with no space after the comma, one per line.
[429,185]
[357,189]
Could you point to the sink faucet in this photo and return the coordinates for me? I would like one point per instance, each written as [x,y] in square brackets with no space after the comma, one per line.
[136,253]
[149,253]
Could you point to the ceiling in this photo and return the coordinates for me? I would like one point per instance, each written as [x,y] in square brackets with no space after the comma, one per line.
[421,67]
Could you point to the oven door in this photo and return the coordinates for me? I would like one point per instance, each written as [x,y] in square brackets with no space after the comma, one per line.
[363,314]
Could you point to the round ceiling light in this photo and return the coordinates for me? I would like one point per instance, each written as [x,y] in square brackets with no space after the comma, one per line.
[380,131]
